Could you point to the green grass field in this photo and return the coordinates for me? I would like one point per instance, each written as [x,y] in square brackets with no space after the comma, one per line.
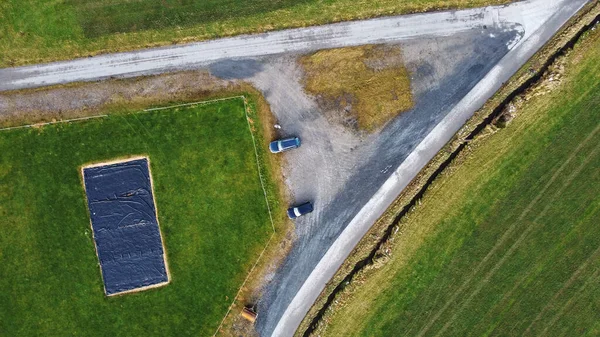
[211,209]
[508,244]
[33,31]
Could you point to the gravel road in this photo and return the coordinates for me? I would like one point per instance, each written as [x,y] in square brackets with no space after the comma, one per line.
[182,57]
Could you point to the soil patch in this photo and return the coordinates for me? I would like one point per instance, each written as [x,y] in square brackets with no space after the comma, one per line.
[86,99]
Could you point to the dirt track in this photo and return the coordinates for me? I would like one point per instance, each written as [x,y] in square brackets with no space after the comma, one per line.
[90,98]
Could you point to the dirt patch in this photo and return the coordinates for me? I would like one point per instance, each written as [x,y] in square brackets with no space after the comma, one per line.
[87,99]
[361,87]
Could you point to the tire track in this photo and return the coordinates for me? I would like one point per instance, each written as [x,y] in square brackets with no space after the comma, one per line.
[567,284]
[509,294]
[576,296]
[511,229]
[506,297]
[517,244]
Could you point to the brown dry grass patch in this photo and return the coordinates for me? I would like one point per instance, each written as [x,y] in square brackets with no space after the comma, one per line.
[369,83]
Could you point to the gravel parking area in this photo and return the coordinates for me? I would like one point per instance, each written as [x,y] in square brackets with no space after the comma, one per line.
[339,168]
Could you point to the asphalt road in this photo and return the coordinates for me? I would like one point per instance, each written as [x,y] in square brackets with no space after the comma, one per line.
[351,179]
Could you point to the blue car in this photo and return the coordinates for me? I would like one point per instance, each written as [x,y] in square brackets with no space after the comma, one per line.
[296,211]
[285,144]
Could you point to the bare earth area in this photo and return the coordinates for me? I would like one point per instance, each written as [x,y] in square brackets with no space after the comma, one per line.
[363,87]
[88,99]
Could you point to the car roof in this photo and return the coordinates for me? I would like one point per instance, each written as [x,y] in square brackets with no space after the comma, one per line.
[288,141]
[307,206]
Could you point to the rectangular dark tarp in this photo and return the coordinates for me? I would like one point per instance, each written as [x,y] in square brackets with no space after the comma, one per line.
[125,226]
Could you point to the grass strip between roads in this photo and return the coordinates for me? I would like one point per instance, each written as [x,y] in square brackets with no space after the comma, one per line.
[509,232]
[34,31]
[211,209]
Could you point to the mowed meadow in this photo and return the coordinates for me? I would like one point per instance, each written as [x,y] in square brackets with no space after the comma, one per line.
[33,31]
[508,242]
[211,209]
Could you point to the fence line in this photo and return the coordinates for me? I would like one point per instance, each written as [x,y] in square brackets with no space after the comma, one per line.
[102,116]
[270,217]
[50,123]
[193,103]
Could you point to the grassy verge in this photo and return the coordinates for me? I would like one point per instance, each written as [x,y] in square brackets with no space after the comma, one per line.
[506,241]
[366,85]
[34,31]
[211,208]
